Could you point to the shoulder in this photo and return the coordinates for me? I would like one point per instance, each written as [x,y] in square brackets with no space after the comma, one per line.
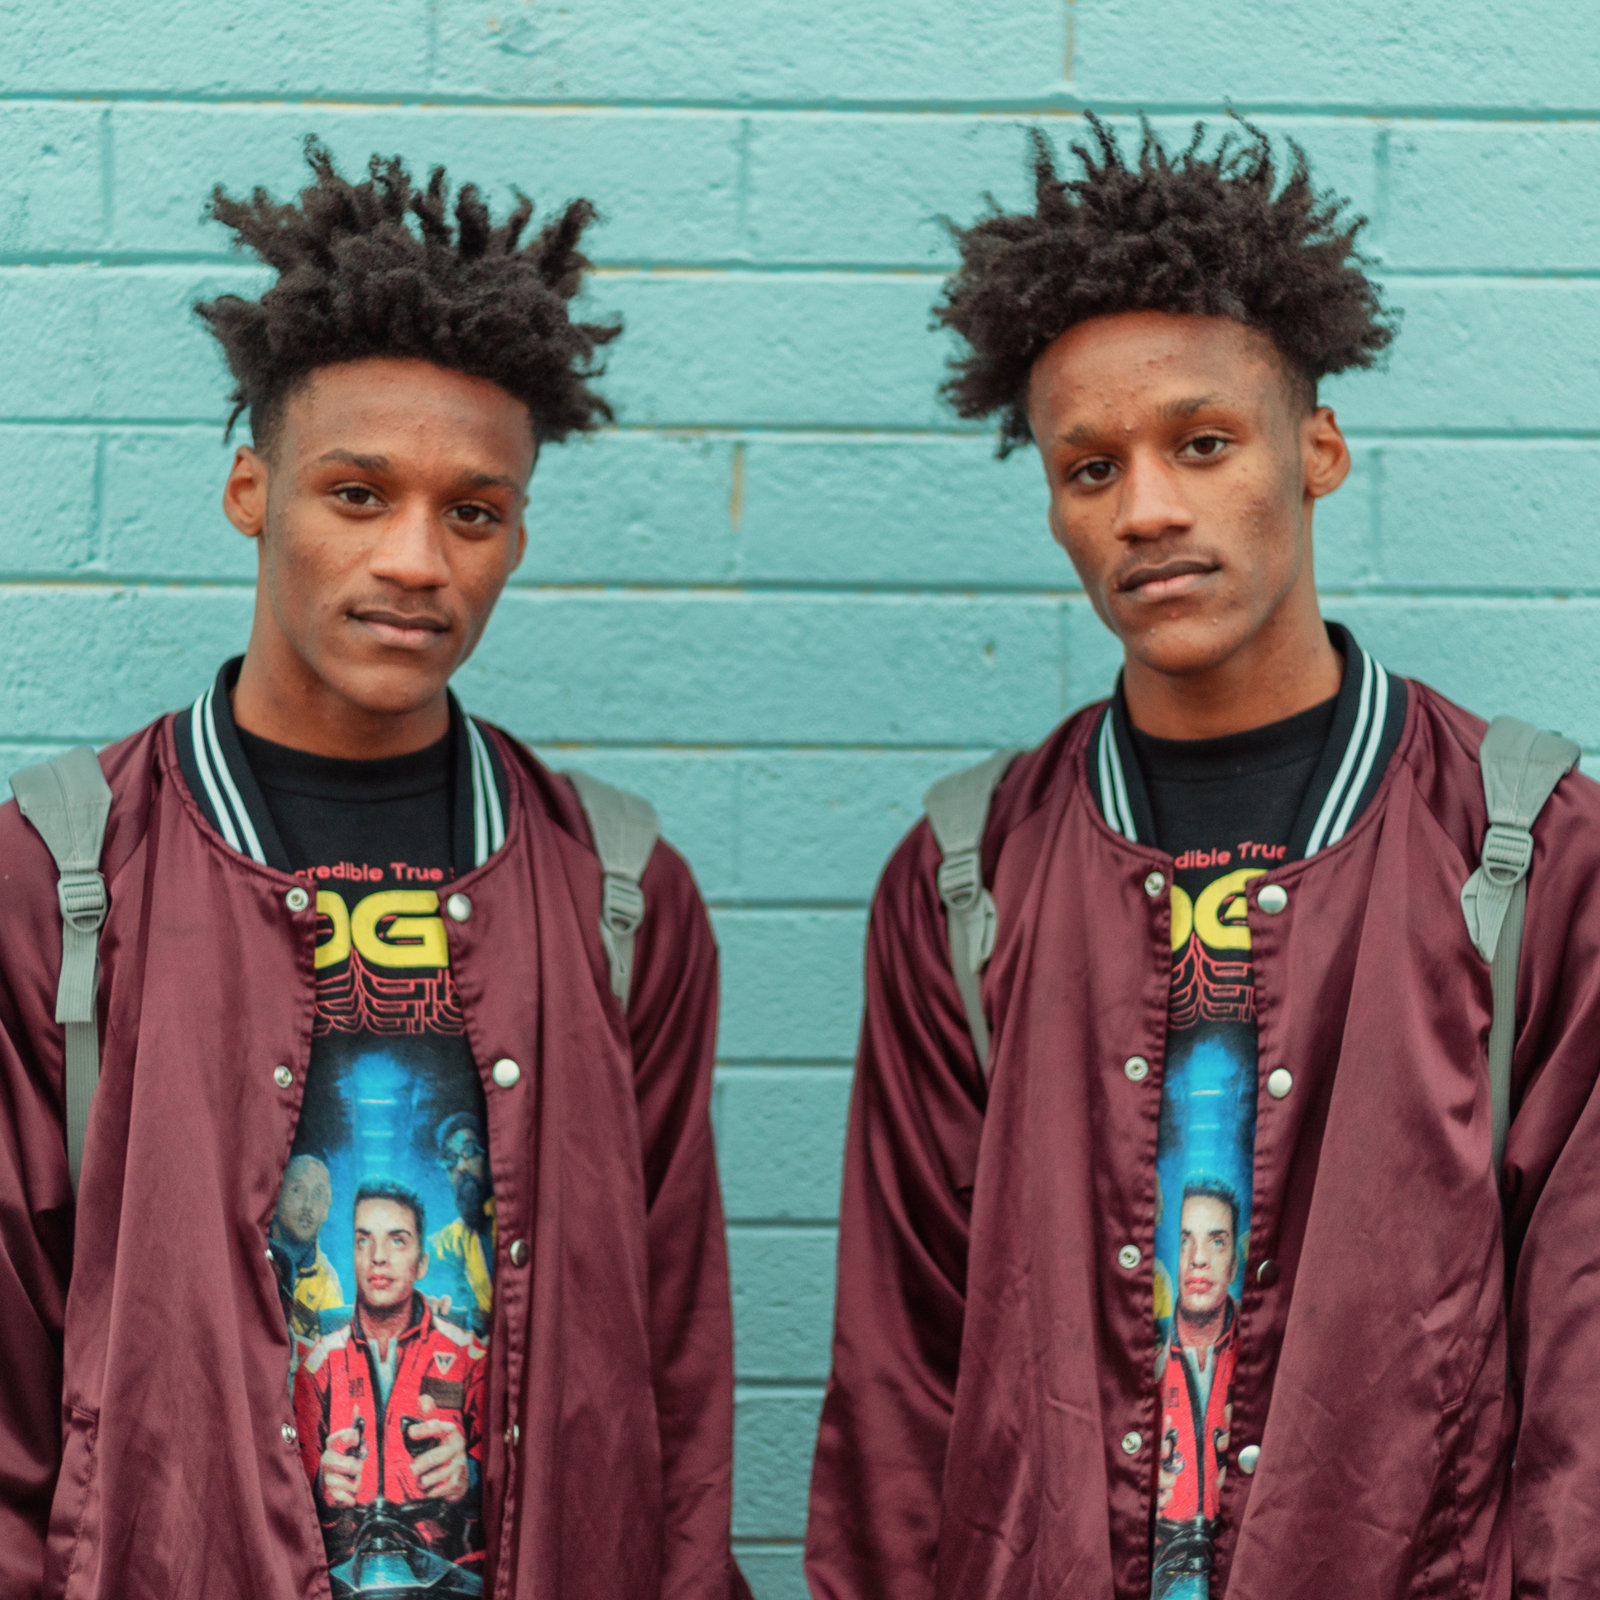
[909,885]
[328,1347]
[1440,751]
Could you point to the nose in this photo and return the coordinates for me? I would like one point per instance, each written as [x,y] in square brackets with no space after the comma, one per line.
[1151,504]
[410,550]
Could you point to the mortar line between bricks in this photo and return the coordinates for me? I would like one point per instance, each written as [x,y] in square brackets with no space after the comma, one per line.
[813,432]
[1054,105]
[866,591]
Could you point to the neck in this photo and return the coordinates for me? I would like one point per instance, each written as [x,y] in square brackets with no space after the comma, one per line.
[279,697]
[1200,1333]
[382,1324]
[1287,666]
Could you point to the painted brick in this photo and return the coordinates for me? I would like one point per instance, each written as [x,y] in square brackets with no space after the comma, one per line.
[1495,514]
[720,51]
[791,984]
[780,1141]
[774,1572]
[871,189]
[1347,53]
[96,663]
[1455,331]
[666,185]
[1538,660]
[774,1432]
[162,506]
[52,197]
[51,521]
[1496,195]
[782,1301]
[214,47]
[766,669]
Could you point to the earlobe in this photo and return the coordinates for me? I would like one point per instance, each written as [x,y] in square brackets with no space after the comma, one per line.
[1327,455]
[244,495]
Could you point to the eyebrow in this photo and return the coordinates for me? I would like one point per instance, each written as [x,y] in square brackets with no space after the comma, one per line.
[1173,410]
[350,458]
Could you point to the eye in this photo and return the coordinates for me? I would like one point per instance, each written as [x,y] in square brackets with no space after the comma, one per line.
[1207,447]
[1092,472]
[356,494]
[474,516]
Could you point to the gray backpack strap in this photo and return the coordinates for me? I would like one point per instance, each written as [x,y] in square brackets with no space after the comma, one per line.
[1521,766]
[68,800]
[625,830]
[958,810]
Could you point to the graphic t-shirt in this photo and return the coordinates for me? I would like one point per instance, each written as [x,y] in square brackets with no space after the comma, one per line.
[384,1232]
[1225,809]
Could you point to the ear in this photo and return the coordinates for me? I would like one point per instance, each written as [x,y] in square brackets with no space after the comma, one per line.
[244,495]
[522,544]
[422,1265]
[1324,452]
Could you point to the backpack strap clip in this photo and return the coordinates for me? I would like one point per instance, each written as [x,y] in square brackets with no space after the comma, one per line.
[958,812]
[1521,767]
[625,829]
[67,800]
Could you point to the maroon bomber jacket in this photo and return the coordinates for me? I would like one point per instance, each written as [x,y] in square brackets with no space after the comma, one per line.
[146,1441]
[987,1432]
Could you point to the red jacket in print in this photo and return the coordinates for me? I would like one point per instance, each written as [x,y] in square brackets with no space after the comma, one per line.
[337,1388]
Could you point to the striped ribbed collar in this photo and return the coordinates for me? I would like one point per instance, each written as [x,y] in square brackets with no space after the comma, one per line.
[1367,719]
[213,763]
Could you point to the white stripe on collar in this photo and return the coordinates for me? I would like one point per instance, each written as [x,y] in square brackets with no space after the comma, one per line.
[488,824]
[1355,767]
[232,818]
[1113,790]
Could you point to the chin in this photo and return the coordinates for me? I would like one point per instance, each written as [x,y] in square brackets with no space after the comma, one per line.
[390,688]
[1185,646]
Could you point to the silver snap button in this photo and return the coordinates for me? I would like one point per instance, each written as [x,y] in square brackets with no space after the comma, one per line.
[1267,1274]
[297,899]
[289,1435]
[1137,1069]
[1273,899]
[269,1252]
[518,1252]
[282,1076]
[513,1434]
[505,1073]
[1128,1256]
[1248,1458]
[1154,884]
[1279,1082]
[459,907]
[1131,1443]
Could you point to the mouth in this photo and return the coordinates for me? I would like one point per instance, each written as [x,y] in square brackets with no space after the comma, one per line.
[401,630]
[379,1282]
[1197,1285]
[1167,581]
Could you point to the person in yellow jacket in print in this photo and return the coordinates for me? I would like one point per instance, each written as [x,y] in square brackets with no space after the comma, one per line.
[306,1276]
[468,1243]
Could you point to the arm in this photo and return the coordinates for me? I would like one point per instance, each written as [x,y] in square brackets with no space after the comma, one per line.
[35,1234]
[915,1119]
[672,1018]
[1553,1212]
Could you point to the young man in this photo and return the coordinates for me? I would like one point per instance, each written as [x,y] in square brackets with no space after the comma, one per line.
[385,917]
[1175,1266]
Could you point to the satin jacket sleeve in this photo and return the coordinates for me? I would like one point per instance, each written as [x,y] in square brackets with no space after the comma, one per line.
[672,1018]
[916,1114]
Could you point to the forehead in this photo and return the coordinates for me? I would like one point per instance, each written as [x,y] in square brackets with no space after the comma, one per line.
[1208,1212]
[384,1216]
[1128,367]
[412,412]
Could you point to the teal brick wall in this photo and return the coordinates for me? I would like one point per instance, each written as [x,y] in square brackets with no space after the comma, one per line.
[787,591]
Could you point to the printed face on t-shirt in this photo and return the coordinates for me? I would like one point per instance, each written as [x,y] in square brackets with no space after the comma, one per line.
[305,1200]
[1206,1257]
[389,1254]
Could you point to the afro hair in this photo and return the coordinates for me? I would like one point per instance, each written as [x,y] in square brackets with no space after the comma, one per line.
[374,269]
[1191,234]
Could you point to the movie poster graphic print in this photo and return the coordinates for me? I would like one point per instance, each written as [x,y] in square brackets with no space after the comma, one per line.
[383,1239]
[1204,1162]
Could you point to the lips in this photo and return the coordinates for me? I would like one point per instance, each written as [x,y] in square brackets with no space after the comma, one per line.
[402,630]
[1167,580]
